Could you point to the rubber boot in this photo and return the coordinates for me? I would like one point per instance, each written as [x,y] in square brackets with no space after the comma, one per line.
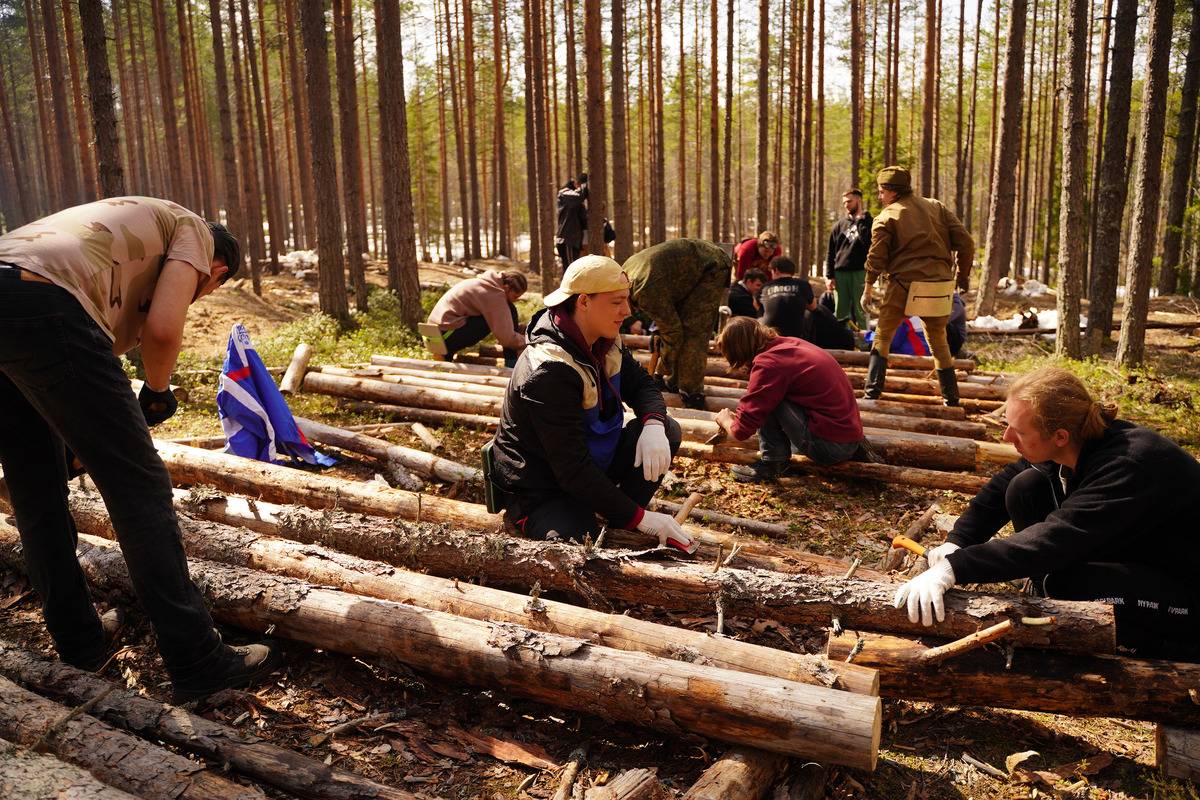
[876,374]
[949,383]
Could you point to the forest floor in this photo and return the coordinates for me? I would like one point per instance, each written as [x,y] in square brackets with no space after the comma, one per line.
[923,744]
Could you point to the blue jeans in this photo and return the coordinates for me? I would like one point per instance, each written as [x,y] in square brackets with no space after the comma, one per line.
[786,431]
[61,386]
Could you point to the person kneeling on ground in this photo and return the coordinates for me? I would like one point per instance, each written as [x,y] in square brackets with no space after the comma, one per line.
[798,399]
[1102,510]
[562,454]
[478,306]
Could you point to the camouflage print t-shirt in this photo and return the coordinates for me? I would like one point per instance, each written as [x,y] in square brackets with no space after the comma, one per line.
[109,254]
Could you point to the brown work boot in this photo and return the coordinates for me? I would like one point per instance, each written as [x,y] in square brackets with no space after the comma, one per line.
[113,623]
[237,667]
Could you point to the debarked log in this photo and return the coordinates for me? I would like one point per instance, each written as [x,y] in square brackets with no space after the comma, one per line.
[1082,685]
[234,546]
[675,697]
[264,762]
[739,774]
[1177,751]
[25,775]
[112,756]
[418,461]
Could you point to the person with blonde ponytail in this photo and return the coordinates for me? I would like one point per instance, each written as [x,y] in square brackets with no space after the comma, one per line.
[1101,509]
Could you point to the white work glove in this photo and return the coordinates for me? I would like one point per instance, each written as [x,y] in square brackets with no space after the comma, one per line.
[653,452]
[923,594]
[936,555]
[667,530]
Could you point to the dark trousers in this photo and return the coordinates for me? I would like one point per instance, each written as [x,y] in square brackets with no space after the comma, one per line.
[60,383]
[567,253]
[1156,614]
[572,518]
[474,331]
[786,431]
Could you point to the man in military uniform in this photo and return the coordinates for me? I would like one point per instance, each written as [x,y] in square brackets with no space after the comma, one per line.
[913,242]
[680,284]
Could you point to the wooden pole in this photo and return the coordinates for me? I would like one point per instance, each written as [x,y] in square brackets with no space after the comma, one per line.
[418,461]
[276,766]
[739,774]
[296,368]
[793,718]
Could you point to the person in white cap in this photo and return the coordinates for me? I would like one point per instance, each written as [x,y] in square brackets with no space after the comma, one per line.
[563,454]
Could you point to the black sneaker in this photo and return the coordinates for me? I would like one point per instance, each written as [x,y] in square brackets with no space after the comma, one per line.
[758,472]
[866,453]
[238,668]
[694,400]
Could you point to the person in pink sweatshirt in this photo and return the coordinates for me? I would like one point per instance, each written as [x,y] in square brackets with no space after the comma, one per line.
[478,306]
[799,400]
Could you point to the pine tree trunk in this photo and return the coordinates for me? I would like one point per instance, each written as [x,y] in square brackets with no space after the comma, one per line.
[191,124]
[764,110]
[350,140]
[960,161]
[804,255]
[288,134]
[275,194]
[100,93]
[443,162]
[68,170]
[857,93]
[1113,181]
[233,203]
[795,109]
[376,231]
[472,155]
[727,171]
[24,200]
[593,49]
[267,153]
[1003,192]
[90,187]
[682,188]
[969,194]
[819,178]
[1073,215]
[1048,193]
[1098,140]
[927,149]
[622,211]
[128,92]
[300,117]
[208,176]
[331,289]
[394,163]
[1132,342]
[251,195]
[151,106]
[179,186]
[503,210]
[658,202]
[1022,226]
[1181,169]
[459,144]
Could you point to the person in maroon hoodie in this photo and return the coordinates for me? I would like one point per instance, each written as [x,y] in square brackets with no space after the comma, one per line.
[799,400]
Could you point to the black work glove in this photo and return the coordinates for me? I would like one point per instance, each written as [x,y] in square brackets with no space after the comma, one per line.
[157,406]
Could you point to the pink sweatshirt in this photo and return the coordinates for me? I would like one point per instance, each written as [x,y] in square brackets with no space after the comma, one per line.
[479,297]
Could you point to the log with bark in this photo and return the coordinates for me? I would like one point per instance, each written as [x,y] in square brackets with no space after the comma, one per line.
[739,774]
[1082,685]
[658,578]
[275,483]
[671,696]
[772,530]
[1177,751]
[264,762]
[25,775]
[112,756]
[632,784]
[224,543]
[418,461]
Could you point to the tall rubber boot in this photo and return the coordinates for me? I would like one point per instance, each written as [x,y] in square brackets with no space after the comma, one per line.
[949,383]
[876,373]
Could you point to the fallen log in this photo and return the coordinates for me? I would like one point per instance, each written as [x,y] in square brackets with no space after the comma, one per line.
[773,530]
[675,697]
[739,774]
[25,775]
[970,404]
[309,561]
[419,461]
[599,576]
[632,784]
[1084,685]
[113,757]
[296,369]
[427,438]
[280,484]
[1177,752]
[264,762]
[907,448]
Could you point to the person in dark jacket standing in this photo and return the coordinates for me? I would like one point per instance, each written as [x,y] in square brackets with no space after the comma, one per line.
[563,453]
[743,295]
[572,220]
[846,262]
[1102,510]
[798,399]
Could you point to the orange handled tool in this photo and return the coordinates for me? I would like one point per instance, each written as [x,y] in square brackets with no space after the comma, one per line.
[908,544]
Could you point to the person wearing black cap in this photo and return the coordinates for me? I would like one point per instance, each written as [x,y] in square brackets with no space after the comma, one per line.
[916,242]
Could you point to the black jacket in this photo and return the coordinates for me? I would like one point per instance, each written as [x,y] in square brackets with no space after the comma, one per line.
[784,302]
[741,302]
[540,449]
[1132,498]
[572,215]
[824,330]
[849,242]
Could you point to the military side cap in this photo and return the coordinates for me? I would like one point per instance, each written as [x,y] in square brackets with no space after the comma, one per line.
[895,176]
[591,274]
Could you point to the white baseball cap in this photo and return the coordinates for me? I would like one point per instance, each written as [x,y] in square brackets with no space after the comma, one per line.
[591,274]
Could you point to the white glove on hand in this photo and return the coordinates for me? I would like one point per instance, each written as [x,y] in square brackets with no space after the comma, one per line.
[668,531]
[936,555]
[653,452]
[923,594]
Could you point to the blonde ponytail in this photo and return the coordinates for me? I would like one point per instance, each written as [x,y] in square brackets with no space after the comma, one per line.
[1059,400]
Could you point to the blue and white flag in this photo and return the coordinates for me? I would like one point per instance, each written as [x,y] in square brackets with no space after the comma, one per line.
[254,415]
